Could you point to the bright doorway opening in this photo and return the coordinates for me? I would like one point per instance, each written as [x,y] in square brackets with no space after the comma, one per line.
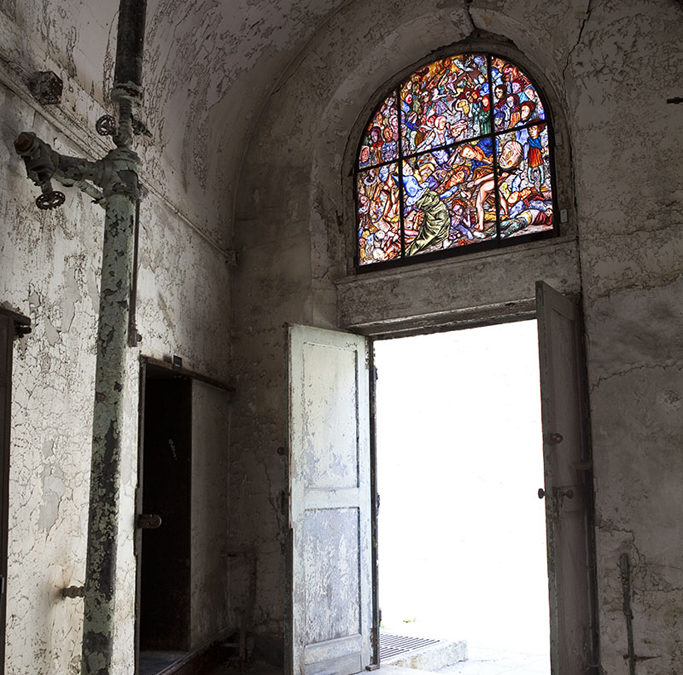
[462,532]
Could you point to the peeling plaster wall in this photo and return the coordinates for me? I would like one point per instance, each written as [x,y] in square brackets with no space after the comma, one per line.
[209,563]
[256,111]
[49,271]
[213,67]
[631,252]
[609,66]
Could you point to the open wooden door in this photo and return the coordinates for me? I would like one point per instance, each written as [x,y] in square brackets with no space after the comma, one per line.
[568,484]
[330,502]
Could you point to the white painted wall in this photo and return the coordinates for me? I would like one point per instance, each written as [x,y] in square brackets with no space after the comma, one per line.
[49,271]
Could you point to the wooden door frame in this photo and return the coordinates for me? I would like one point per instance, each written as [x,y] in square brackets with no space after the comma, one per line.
[16,326]
[147,362]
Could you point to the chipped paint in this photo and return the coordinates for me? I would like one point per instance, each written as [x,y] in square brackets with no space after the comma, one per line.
[255,116]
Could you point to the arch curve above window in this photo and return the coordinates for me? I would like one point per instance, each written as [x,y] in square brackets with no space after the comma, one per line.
[458,157]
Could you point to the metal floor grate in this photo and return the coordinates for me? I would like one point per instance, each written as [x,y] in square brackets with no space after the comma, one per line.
[393,645]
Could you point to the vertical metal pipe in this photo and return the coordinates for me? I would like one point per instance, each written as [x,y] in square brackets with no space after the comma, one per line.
[121,196]
[130,41]
[100,584]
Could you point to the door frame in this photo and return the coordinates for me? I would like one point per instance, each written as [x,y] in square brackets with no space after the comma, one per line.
[172,366]
[476,318]
[147,365]
[13,326]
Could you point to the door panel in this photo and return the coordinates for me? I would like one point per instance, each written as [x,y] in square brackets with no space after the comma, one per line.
[330,501]
[568,484]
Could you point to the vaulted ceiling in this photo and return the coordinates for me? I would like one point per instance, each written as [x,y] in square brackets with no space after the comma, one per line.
[209,67]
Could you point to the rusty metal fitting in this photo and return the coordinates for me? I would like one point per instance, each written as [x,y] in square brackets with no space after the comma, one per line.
[24,142]
[73,592]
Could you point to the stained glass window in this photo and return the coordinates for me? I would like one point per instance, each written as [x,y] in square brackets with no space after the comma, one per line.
[458,155]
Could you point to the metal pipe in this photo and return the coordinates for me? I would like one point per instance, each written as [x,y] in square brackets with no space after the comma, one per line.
[112,340]
[117,176]
[121,192]
[129,44]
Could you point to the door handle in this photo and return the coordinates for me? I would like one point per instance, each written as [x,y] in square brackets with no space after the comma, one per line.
[148,521]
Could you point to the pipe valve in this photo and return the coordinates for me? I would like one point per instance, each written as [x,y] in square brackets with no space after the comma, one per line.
[41,164]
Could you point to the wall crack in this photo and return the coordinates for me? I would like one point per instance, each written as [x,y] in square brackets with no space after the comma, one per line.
[584,21]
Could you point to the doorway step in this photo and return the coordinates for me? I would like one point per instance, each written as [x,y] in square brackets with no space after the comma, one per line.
[420,653]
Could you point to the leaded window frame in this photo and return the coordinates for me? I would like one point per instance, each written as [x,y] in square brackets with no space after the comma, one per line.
[559,217]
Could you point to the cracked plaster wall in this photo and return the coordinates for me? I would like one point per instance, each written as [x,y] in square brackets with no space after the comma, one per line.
[49,271]
[209,602]
[208,75]
[610,67]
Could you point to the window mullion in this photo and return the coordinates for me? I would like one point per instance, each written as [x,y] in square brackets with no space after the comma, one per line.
[400,172]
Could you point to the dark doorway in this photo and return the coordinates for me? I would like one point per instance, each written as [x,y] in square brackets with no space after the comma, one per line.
[165,484]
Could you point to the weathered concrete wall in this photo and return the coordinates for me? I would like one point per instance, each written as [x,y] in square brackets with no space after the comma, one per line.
[209,563]
[295,226]
[49,270]
[631,211]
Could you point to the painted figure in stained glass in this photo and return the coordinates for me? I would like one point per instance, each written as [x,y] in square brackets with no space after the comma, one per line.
[378,211]
[529,189]
[437,209]
[439,102]
[535,156]
[483,182]
[380,139]
[434,223]
[513,82]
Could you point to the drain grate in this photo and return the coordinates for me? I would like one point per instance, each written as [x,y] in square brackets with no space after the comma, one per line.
[391,646]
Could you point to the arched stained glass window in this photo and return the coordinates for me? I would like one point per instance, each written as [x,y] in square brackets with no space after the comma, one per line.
[457,157]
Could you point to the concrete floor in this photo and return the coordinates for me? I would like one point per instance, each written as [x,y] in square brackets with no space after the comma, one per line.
[481,662]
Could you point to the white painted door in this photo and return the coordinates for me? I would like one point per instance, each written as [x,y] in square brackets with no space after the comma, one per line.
[330,500]
[568,484]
